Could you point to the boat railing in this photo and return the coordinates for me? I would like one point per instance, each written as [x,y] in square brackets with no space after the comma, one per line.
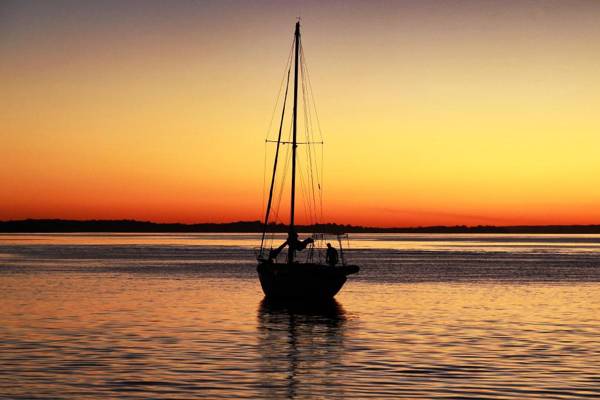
[320,240]
[315,252]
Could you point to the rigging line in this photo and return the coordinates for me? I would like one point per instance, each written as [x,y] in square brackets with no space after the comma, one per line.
[264,185]
[307,103]
[283,78]
[308,194]
[309,111]
[279,195]
[320,178]
[310,182]
[275,161]
[314,103]
[320,174]
[322,181]
[309,198]
[319,197]
[283,180]
[308,130]
[284,176]
[287,66]
[307,166]
[314,170]
[308,209]
[303,194]
[281,189]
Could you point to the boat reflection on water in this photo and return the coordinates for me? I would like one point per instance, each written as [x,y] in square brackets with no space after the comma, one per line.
[301,347]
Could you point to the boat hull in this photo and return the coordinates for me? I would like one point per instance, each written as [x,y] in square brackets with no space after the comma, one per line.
[312,282]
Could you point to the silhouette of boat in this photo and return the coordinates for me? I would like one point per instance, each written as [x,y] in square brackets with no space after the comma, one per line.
[312,279]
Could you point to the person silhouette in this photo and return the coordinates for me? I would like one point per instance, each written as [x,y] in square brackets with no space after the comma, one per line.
[292,240]
[331,256]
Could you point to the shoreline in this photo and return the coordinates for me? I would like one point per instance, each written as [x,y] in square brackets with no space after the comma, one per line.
[133,226]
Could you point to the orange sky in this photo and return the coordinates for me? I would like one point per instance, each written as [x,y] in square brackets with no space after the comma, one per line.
[454,112]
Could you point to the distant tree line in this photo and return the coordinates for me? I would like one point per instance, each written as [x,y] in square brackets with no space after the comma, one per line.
[61,225]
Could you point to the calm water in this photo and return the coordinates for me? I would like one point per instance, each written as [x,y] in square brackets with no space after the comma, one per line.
[182,316]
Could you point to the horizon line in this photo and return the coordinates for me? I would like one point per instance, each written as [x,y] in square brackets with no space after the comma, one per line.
[275,224]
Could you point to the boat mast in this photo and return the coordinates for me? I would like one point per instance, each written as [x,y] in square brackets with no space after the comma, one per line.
[292,234]
[274,175]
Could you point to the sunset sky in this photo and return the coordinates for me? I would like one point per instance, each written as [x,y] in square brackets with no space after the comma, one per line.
[433,112]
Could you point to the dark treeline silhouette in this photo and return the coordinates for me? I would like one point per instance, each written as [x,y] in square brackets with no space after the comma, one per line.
[60,225]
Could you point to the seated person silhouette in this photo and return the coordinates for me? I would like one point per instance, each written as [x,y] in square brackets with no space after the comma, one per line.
[331,257]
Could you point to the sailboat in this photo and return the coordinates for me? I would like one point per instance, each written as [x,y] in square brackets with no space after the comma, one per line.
[296,277]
